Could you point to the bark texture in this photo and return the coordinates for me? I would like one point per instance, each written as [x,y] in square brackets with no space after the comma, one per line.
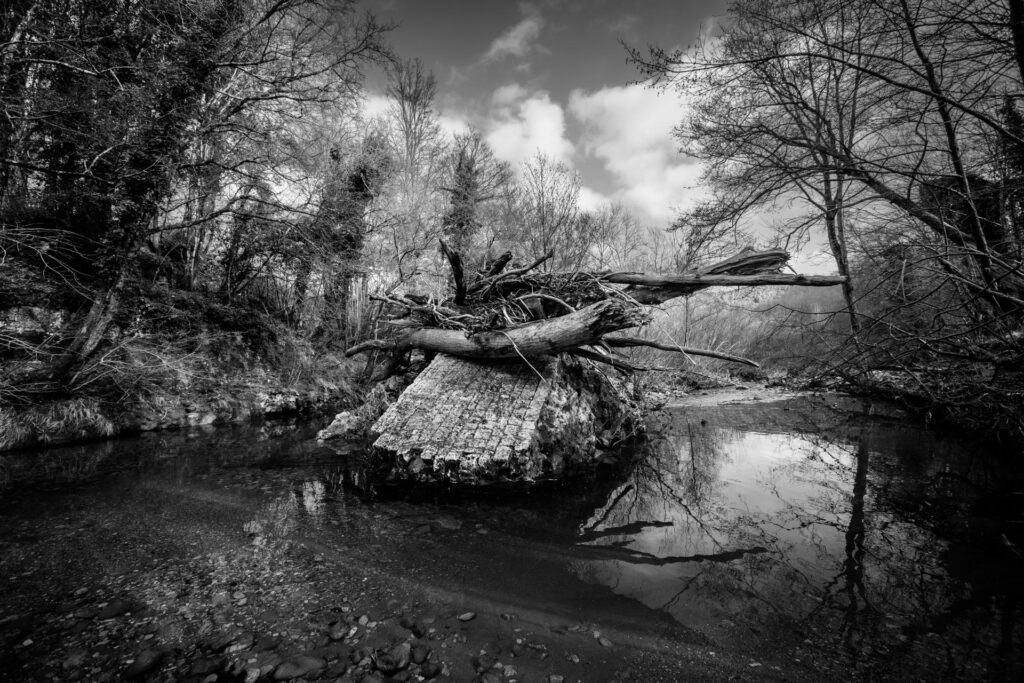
[470,422]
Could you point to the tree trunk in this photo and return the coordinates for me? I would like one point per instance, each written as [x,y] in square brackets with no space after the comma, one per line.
[541,338]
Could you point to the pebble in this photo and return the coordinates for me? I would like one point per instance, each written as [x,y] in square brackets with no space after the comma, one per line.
[447,522]
[85,612]
[114,608]
[467,616]
[337,630]
[74,659]
[604,642]
[395,659]
[420,654]
[267,643]
[431,670]
[208,665]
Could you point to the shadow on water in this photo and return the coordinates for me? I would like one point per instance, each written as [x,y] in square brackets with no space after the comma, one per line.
[795,524]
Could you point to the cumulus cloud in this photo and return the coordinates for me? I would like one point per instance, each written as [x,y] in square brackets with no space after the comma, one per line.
[509,94]
[518,40]
[629,130]
[523,122]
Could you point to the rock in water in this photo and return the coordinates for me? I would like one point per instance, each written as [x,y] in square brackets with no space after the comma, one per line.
[297,667]
[147,661]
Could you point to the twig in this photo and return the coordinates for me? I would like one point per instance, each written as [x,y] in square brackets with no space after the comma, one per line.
[637,341]
[524,358]
[616,363]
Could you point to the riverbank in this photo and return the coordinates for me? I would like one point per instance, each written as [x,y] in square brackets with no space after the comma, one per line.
[170,359]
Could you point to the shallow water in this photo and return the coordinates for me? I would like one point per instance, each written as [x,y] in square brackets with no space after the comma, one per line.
[807,532]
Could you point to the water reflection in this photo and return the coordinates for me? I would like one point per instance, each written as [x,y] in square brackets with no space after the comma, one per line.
[869,537]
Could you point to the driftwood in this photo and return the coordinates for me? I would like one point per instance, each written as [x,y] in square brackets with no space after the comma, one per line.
[521,313]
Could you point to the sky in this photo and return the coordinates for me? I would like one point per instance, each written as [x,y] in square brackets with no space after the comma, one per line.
[552,75]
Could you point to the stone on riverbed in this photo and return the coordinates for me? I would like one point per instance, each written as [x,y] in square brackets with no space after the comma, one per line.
[480,422]
[303,665]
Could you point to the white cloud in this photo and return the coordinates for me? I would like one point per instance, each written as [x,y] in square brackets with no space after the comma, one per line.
[453,123]
[509,94]
[518,40]
[629,130]
[375,105]
[592,200]
[523,123]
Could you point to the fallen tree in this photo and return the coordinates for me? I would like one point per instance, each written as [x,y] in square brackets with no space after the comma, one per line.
[504,421]
[527,314]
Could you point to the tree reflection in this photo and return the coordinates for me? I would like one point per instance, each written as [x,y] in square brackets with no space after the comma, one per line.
[831,537]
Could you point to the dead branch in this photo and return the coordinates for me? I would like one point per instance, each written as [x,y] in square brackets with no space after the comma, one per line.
[487,283]
[497,266]
[624,342]
[455,261]
[617,363]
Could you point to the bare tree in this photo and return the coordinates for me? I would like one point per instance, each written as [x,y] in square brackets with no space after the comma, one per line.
[542,213]
[894,123]
[476,177]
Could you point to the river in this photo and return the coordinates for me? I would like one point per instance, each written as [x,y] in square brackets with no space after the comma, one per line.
[792,538]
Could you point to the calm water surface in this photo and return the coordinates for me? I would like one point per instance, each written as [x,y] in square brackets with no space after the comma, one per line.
[813,528]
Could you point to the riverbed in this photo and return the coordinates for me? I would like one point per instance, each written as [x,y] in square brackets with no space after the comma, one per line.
[751,537]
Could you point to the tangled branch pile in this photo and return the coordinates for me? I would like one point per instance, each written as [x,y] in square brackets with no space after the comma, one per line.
[521,312]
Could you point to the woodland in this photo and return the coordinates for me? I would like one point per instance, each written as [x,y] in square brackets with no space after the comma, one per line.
[192,196]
